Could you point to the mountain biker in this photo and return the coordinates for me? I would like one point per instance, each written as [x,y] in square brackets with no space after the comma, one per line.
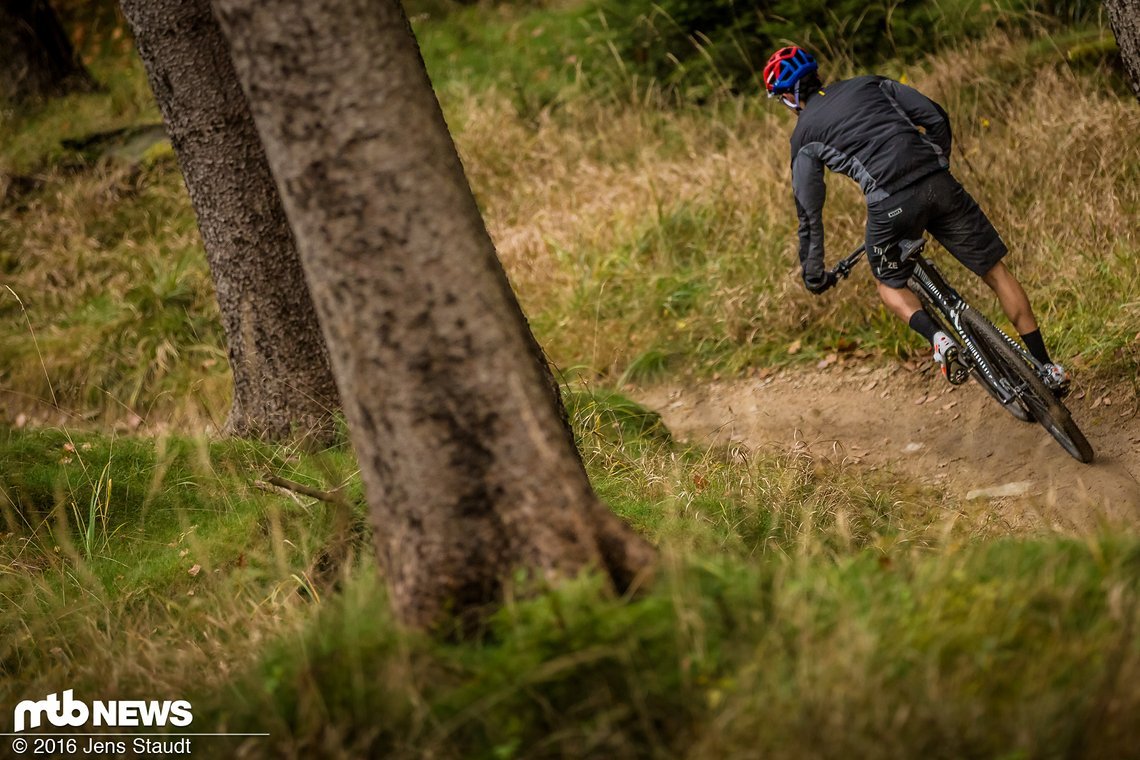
[895,142]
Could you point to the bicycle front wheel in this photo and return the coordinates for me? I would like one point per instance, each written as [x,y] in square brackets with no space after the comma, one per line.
[1028,386]
[1013,405]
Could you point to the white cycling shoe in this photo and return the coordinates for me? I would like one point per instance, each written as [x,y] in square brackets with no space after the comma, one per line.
[946,354]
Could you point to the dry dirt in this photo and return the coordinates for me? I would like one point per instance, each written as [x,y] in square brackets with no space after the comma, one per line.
[908,419]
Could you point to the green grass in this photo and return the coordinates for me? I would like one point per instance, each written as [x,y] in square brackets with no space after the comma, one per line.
[539,56]
[1011,649]
[803,608]
[104,537]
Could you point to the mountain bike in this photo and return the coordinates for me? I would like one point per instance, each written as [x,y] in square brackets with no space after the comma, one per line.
[998,363]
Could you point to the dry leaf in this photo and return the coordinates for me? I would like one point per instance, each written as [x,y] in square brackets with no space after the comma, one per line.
[795,347]
[195,570]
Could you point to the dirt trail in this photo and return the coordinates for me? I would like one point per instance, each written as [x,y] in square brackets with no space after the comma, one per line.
[910,420]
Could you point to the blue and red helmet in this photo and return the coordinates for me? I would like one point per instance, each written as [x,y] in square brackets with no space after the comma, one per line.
[786,67]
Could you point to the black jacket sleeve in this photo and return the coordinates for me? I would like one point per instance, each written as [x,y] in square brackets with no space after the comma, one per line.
[923,112]
[810,194]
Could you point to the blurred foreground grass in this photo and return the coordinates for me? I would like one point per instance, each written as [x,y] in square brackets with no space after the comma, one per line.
[804,608]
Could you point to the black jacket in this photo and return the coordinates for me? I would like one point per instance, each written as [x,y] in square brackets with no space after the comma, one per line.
[866,128]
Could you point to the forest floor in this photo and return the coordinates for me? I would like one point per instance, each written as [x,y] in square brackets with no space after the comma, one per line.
[907,418]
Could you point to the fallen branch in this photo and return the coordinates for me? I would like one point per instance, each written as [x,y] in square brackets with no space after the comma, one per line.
[331,497]
[347,529]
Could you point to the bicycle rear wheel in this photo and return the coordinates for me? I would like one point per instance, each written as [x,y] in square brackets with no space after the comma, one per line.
[1028,386]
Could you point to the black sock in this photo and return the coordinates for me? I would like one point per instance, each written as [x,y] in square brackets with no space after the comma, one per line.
[922,324]
[1036,345]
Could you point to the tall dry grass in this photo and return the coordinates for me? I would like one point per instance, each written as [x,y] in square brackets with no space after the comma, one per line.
[605,212]
[108,307]
[643,237]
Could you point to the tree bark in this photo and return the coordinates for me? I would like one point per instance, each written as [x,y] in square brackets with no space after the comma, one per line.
[283,384]
[466,465]
[36,57]
[1124,15]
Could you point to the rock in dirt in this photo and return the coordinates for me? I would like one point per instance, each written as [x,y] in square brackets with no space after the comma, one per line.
[1020,488]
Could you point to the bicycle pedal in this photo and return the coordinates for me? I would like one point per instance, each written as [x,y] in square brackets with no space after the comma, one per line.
[953,370]
[1057,381]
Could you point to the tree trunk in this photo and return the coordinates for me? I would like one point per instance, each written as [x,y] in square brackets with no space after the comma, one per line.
[1124,16]
[36,57]
[467,468]
[283,384]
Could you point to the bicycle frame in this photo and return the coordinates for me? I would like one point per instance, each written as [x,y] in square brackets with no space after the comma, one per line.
[929,285]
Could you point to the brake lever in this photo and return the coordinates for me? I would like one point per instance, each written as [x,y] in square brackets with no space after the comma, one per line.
[843,268]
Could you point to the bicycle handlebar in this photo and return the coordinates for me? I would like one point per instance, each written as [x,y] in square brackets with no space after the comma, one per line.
[845,265]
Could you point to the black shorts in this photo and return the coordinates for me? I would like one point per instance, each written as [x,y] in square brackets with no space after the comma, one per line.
[938,204]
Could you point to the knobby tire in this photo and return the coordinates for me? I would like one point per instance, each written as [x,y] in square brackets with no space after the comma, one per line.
[1038,399]
[1014,406]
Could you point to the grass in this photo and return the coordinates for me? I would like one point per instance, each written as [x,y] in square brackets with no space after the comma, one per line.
[107,540]
[109,307]
[806,607]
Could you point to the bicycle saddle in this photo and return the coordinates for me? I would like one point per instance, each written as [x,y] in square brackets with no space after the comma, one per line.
[910,248]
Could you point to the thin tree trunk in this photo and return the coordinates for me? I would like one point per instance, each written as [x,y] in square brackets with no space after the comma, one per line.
[283,384]
[466,465]
[1124,16]
[36,57]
